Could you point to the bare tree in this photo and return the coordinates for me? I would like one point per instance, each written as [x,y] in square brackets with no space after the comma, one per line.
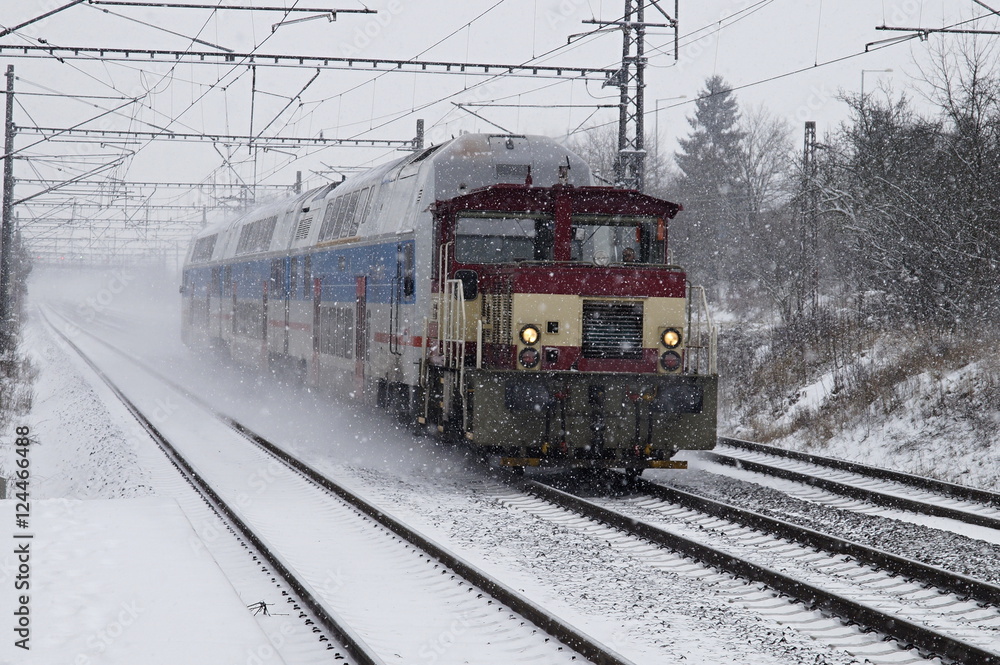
[920,197]
[764,221]
[598,147]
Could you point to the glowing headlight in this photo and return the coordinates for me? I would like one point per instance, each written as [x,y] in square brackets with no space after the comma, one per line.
[671,338]
[530,335]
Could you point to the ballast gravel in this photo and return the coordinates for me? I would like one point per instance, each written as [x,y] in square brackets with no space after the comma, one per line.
[656,612]
[935,547]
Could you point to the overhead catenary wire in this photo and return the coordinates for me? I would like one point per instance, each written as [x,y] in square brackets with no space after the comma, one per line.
[776,77]
[464,26]
[160,28]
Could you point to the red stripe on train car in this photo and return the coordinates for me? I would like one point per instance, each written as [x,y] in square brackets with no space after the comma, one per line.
[402,340]
[292,325]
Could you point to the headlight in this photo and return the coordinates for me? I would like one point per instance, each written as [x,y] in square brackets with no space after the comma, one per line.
[671,338]
[529,357]
[670,361]
[530,335]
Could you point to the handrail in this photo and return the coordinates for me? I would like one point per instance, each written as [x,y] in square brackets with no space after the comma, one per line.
[702,335]
[451,322]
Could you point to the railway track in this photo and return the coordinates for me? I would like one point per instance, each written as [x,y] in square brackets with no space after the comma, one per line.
[495,602]
[938,612]
[350,643]
[858,588]
[873,485]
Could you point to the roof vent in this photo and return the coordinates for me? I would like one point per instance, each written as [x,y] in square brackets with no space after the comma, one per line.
[302,230]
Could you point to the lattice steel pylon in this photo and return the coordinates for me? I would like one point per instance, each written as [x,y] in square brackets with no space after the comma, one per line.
[630,163]
[630,79]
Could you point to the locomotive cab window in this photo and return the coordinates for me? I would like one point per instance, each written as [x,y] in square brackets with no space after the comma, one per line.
[503,238]
[607,239]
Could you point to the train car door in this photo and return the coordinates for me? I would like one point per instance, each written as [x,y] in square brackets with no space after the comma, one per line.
[277,306]
[226,290]
[265,322]
[291,294]
[317,298]
[360,333]
[215,306]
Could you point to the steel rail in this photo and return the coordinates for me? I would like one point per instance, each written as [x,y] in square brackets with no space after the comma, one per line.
[940,486]
[956,583]
[565,633]
[854,492]
[331,622]
[813,597]
[899,629]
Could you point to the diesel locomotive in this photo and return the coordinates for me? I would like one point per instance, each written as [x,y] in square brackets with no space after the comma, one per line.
[483,288]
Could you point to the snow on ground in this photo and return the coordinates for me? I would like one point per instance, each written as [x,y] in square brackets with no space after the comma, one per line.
[931,410]
[644,613]
[87,452]
[114,573]
[82,450]
[118,582]
[924,434]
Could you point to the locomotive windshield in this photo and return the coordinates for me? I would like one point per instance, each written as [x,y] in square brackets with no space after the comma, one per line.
[604,239]
[503,238]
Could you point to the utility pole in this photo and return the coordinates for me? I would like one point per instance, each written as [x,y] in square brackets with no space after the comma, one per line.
[7,231]
[250,146]
[630,79]
[809,300]
[418,140]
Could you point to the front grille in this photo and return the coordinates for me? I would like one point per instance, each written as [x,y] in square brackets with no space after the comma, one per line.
[612,330]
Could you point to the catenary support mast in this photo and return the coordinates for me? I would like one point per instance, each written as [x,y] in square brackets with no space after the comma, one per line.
[7,231]
[630,172]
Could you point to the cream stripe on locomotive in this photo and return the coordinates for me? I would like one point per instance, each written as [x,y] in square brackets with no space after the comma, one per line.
[559,319]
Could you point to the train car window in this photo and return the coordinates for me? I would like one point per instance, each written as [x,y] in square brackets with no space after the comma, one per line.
[293,277]
[615,239]
[307,279]
[203,248]
[330,219]
[346,217]
[409,281]
[336,331]
[502,239]
[256,236]
[364,205]
[227,280]
[276,287]
[338,222]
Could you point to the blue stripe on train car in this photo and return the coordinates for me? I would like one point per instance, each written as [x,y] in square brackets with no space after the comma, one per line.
[338,269]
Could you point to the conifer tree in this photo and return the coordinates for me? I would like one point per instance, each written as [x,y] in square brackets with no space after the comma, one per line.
[703,235]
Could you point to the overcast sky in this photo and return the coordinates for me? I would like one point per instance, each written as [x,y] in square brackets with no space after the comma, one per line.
[747,42]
